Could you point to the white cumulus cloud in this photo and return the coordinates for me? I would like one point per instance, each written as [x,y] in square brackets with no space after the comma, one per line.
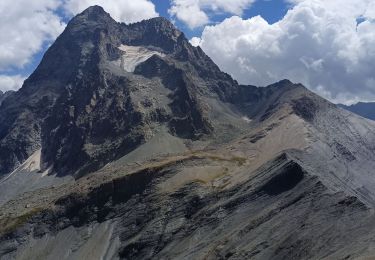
[327,45]
[128,11]
[11,82]
[195,41]
[196,13]
[24,27]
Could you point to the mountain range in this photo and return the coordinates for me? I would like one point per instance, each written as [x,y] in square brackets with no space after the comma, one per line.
[366,110]
[127,142]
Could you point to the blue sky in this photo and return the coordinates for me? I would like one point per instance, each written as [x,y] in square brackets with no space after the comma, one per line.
[258,42]
[270,10]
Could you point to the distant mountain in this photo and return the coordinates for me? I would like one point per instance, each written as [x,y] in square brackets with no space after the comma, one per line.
[366,110]
[129,143]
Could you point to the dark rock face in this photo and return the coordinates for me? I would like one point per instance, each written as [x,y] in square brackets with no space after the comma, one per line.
[286,180]
[20,128]
[305,108]
[73,100]
[4,95]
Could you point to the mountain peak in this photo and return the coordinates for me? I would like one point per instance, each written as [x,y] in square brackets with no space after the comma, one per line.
[94,98]
[92,15]
[285,82]
[160,20]
[94,10]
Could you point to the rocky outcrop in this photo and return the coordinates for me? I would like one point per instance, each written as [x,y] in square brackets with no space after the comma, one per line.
[4,95]
[282,212]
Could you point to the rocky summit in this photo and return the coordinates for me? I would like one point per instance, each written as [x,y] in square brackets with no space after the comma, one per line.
[129,143]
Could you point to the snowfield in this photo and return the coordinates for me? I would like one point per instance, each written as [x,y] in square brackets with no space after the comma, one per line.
[135,55]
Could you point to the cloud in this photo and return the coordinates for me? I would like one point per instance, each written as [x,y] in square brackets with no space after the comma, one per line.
[195,41]
[127,11]
[11,82]
[195,13]
[27,27]
[24,27]
[327,50]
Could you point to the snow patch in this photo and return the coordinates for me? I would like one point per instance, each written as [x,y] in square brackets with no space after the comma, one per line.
[30,165]
[46,172]
[246,119]
[134,55]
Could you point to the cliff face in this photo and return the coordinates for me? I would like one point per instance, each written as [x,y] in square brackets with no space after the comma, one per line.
[127,142]
[83,110]
[4,95]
